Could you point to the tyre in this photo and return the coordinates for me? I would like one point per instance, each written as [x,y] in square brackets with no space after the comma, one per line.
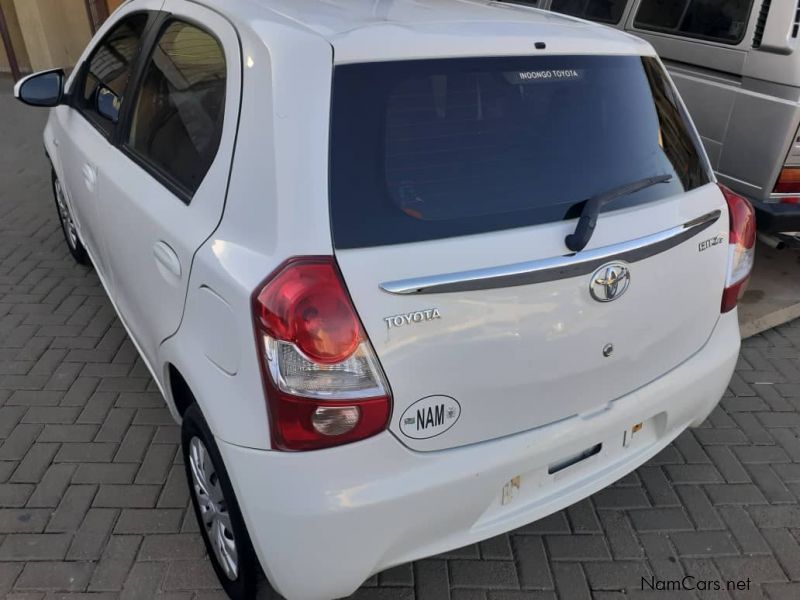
[68,224]
[217,511]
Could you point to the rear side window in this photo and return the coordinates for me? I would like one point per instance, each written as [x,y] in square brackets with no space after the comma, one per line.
[431,149]
[109,69]
[603,11]
[178,115]
[714,20]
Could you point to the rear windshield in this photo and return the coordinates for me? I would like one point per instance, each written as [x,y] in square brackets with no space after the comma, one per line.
[430,149]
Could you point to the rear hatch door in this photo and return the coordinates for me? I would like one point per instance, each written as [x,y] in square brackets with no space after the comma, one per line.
[453,186]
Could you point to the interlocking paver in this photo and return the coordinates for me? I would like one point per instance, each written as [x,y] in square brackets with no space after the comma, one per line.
[116,562]
[105,473]
[55,576]
[52,486]
[72,508]
[168,546]
[94,503]
[92,535]
[533,569]
[15,494]
[158,520]
[23,520]
[34,546]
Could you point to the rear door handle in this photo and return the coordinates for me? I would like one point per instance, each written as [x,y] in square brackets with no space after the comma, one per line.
[89,176]
[167,260]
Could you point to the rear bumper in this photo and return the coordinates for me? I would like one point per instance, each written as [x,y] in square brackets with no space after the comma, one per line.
[322,522]
[776,218]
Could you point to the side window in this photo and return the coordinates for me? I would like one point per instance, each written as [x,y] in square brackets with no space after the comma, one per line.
[101,92]
[714,20]
[177,118]
[603,11]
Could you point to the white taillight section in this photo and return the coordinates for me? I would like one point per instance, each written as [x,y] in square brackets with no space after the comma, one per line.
[358,376]
[741,248]
[323,382]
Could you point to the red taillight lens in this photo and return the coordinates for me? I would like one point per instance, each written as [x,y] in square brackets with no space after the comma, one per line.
[788,181]
[323,382]
[741,248]
[305,304]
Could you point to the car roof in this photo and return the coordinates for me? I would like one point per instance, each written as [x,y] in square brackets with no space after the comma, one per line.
[372,30]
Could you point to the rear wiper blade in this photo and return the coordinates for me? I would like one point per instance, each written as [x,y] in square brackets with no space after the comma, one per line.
[588,219]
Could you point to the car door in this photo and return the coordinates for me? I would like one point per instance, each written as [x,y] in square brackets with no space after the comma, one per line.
[164,190]
[705,45]
[83,136]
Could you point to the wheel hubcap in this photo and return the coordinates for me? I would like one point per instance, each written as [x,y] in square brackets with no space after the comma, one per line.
[213,508]
[66,216]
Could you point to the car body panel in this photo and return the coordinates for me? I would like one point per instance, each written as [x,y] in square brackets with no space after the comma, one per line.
[73,147]
[151,268]
[271,197]
[408,497]
[381,501]
[521,357]
[367,31]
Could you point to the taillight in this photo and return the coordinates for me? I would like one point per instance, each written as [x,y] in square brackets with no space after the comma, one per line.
[788,181]
[741,248]
[323,382]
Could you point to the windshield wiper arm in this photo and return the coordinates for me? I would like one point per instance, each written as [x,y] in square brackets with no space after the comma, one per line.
[588,219]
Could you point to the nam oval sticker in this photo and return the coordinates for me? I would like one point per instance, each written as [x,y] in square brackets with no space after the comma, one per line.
[429,417]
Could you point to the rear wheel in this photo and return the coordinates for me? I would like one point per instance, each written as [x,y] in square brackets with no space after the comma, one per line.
[217,511]
[68,224]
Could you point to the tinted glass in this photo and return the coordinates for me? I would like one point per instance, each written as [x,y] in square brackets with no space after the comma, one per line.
[432,149]
[715,20]
[43,90]
[534,3]
[109,69]
[177,120]
[604,11]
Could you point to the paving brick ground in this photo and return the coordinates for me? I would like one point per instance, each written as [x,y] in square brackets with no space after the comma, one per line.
[93,504]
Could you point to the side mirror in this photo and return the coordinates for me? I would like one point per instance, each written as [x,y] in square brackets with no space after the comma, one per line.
[778,35]
[108,104]
[45,88]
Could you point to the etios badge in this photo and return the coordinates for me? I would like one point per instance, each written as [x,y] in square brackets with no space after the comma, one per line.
[609,282]
[429,417]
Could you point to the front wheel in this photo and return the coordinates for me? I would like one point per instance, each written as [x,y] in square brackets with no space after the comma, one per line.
[217,511]
[67,223]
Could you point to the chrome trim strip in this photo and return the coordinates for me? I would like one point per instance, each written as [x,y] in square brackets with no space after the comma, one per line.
[552,269]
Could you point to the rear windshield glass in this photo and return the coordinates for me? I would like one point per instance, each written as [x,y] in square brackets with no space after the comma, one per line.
[430,149]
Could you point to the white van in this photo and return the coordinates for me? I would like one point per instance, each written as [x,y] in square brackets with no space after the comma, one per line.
[737,66]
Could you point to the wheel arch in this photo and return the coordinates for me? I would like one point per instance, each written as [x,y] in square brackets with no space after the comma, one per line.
[180,392]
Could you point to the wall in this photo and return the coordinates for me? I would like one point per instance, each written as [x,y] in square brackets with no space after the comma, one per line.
[17,40]
[55,32]
[112,4]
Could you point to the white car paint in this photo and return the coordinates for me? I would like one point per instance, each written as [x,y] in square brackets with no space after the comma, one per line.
[389,499]
[151,304]
[537,350]
[380,504]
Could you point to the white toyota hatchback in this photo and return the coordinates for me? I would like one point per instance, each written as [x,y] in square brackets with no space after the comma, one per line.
[410,273]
